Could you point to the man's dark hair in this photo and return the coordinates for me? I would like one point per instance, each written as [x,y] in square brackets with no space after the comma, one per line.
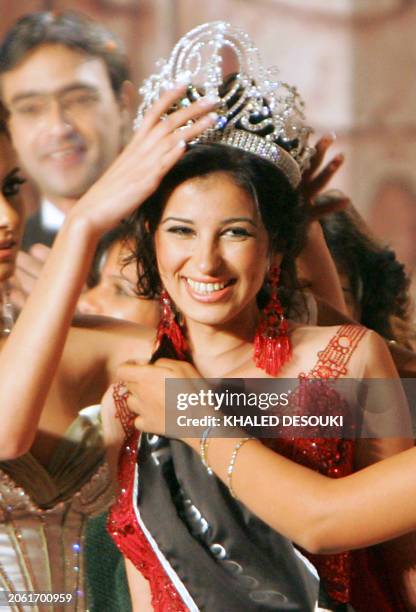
[70,29]
[121,233]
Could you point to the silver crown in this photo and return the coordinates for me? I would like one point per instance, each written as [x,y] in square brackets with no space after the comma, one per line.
[257,112]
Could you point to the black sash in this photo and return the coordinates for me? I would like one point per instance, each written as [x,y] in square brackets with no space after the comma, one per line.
[227,559]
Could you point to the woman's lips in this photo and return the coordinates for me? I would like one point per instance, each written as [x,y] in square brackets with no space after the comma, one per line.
[7,249]
[208,291]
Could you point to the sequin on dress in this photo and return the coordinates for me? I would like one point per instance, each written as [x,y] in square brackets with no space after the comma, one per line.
[43,514]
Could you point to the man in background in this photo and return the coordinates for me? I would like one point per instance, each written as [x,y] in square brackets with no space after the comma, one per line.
[64,80]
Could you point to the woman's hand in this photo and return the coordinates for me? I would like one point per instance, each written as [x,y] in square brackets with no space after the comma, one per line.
[315,179]
[146,386]
[137,172]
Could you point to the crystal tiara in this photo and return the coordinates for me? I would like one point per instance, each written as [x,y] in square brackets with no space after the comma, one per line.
[258,113]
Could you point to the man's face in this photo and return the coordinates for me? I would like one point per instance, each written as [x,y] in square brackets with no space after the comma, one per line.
[65,120]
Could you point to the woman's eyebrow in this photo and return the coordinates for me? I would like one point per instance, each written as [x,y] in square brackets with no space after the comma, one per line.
[181,219]
[223,221]
[239,220]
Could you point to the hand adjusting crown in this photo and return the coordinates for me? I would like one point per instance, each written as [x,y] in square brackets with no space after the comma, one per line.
[257,112]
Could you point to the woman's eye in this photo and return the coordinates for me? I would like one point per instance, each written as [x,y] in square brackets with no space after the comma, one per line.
[237,232]
[122,290]
[11,185]
[181,230]
[119,291]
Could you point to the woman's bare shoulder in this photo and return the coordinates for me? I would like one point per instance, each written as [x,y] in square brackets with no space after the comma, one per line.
[324,333]
[316,343]
[112,326]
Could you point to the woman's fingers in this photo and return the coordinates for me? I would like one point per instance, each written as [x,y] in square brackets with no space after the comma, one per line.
[166,100]
[181,136]
[315,185]
[321,147]
[173,147]
[181,117]
[328,203]
[161,127]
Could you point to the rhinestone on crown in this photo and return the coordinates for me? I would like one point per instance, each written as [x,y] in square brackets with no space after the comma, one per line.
[257,112]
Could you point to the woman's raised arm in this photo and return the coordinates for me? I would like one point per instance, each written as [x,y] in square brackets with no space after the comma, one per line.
[30,357]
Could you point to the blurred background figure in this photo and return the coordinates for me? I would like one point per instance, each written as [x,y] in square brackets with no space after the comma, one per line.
[64,83]
[392,216]
[113,281]
[375,284]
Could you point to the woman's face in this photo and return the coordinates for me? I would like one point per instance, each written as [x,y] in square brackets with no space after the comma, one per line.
[114,295]
[212,249]
[11,209]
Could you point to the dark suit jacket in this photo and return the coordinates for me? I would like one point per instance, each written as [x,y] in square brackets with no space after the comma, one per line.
[35,232]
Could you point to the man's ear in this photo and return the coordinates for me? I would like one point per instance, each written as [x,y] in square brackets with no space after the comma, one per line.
[128,101]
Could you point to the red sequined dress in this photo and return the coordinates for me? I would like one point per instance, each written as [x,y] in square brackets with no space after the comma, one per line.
[342,574]
[348,577]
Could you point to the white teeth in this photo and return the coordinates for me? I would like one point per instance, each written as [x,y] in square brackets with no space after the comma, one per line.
[62,154]
[205,287]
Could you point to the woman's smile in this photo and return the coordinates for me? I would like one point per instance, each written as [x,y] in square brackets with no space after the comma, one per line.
[209,291]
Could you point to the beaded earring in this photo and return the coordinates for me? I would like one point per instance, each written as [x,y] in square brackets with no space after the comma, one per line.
[169,328]
[272,347]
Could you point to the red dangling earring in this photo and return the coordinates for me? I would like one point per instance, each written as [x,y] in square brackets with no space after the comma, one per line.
[272,347]
[168,327]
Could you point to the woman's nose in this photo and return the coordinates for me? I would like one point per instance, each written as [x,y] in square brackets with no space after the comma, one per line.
[208,256]
[9,217]
[89,303]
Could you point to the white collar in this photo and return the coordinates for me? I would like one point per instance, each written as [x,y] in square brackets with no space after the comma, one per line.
[51,216]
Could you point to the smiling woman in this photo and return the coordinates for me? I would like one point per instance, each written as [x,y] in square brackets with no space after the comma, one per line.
[213,264]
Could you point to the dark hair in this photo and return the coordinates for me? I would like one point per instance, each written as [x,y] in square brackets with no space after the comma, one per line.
[281,209]
[68,28]
[378,281]
[3,119]
[120,233]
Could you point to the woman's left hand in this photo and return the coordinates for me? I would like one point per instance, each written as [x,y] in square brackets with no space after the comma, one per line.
[315,179]
[146,386]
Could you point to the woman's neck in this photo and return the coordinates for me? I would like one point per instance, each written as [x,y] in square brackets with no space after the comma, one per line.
[226,344]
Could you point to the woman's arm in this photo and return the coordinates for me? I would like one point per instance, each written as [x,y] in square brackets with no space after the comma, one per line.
[320,514]
[388,425]
[31,355]
[315,263]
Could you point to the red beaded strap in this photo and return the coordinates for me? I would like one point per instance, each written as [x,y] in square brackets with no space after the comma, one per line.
[333,360]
